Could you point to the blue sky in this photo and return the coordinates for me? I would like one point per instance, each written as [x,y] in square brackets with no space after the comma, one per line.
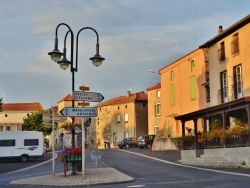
[134,35]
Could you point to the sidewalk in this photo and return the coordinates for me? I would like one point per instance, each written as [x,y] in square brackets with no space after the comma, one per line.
[93,176]
[103,174]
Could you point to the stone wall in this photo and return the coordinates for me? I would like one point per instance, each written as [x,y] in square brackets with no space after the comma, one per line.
[225,157]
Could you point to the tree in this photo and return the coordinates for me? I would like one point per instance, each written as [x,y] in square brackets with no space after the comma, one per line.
[34,122]
[106,132]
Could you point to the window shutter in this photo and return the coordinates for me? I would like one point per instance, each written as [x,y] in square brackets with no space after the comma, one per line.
[193,87]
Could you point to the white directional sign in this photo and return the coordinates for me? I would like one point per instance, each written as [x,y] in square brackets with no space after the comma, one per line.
[79,112]
[87,96]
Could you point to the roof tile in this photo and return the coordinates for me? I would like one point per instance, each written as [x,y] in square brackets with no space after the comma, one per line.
[35,106]
[141,96]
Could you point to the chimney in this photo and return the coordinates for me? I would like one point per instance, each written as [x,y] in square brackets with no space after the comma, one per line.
[128,93]
[220,30]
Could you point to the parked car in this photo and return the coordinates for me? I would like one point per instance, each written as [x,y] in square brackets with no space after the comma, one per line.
[145,141]
[127,142]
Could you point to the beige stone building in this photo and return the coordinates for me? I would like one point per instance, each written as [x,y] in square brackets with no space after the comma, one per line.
[12,114]
[154,108]
[122,117]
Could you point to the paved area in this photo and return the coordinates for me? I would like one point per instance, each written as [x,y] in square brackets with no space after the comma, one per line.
[92,177]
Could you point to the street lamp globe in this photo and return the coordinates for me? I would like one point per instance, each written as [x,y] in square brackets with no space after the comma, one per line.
[64,64]
[55,55]
[97,60]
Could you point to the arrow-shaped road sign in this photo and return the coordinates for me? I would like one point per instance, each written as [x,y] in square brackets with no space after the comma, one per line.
[79,112]
[87,96]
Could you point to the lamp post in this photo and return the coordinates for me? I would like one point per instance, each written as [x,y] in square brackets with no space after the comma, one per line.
[56,56]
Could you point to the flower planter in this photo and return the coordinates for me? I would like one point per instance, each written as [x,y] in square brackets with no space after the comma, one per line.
[79,166]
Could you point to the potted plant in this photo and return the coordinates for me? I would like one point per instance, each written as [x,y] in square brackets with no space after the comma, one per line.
[72,126]
[61,155]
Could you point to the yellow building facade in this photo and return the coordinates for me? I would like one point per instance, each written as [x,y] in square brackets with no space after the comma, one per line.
[154,108]
[181,93]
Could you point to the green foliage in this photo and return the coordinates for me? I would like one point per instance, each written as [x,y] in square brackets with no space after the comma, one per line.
[214,124]
[243,163]
[216,132]
[34,122]
[106,132]
[185,138]
[72,125]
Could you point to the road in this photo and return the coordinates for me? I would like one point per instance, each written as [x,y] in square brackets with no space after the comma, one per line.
[152,171]
[13,165]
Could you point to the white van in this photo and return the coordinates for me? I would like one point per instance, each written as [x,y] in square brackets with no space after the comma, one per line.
[21,145]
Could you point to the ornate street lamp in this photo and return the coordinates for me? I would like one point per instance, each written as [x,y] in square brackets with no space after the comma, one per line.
[56,56]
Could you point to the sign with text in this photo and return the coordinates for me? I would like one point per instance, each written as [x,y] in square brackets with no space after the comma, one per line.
[83,103]
[79,112]
[87,96]
[84,88]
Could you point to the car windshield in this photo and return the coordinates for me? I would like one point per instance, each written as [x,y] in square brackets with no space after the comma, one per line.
[140,138]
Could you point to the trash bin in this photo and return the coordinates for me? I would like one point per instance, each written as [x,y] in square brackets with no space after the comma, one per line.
[106,145]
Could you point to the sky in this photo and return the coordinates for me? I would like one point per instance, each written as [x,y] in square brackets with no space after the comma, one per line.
[134,36]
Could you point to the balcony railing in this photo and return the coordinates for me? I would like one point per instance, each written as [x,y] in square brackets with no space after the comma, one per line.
[237,90]
[222,95]
[232,141]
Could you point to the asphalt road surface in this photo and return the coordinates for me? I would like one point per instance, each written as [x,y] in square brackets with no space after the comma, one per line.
[13,165]
[150,170]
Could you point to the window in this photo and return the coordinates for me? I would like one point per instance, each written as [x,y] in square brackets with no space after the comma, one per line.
[158,94]
[114,137]
[6,115]
[118,107]
[224,88]
[6,143]
[125,118]
[126,134]
[126,106]
[1,128]
[221,52]
[157,109]
[238,84]
[118,118]
[31,142]
[172,95]
[156,129]
[171,75]
[192,65]
[19,127]
[7,128]
[193,86]
[235,49]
